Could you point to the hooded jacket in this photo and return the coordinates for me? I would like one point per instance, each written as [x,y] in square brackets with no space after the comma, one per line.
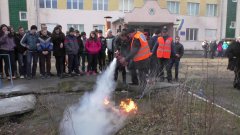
[7,43]
[93,47]
[71,45]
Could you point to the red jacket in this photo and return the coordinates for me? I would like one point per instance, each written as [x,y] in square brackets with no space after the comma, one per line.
[93,47]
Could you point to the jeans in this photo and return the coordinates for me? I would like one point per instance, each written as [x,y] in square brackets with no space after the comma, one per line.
[59,64]
[22,62]
[123,70]
[164,63]
[154,66]
[6,62]
[83,58]
[45,65]
[92,62]
[176,63]
[73,63]
[133,71]
[205,53]
[101,60]
[32,60]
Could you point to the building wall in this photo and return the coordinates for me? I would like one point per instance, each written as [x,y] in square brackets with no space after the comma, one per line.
[14,8]
[238,20]
[231,16]
[223,18]
[4,12]
[89,17]
[32,8]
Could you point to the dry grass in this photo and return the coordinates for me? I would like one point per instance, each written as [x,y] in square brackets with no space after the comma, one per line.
[166,112]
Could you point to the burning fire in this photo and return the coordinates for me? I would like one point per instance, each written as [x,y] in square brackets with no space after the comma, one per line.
[128,106]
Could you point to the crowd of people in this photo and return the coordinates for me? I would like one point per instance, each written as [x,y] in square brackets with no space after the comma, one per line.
[212,49]
[21,52]
[133,49]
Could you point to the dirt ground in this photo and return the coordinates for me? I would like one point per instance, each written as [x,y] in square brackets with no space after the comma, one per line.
[170,111]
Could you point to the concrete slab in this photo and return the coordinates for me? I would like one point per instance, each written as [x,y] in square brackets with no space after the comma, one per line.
[17,105]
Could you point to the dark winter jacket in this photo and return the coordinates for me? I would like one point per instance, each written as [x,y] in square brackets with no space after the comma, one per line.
[178,49]
[103,44]
[45,44]
[233,54]
[71,45]
[80,44]
[123,46]
[84,45]
[19,48]
[30,40]
[7,43]
[153,41]
[213,47]
[57,40]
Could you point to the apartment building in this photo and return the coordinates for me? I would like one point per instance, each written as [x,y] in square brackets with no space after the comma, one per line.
[203,19]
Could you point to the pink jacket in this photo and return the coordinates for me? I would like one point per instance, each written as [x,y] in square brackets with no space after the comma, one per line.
[93,47]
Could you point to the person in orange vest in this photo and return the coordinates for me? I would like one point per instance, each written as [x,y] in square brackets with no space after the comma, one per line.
[165,51]
[139,54]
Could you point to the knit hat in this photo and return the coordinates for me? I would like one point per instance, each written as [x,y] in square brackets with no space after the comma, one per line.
[130,30]
[164,29]
[83,33]
[71,29]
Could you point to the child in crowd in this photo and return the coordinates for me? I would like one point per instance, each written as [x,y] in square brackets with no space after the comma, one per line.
[93,47]
[72,48]
[45,47]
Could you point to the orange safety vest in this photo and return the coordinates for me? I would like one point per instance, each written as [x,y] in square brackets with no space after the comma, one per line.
[164,48]
[144,51]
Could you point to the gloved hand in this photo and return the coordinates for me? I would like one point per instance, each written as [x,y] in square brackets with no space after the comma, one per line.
[117,55]
[123,61]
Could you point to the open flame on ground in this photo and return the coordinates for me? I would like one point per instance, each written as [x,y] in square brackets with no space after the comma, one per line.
[95,114]
[126,106]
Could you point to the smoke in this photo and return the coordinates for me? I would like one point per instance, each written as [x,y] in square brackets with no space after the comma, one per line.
[90,116]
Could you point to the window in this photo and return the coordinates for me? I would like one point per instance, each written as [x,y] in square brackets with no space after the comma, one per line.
[233,25]
[211,10]
[193,9]
[211,34]
[173,7]
[99,27]
[79,27]
[51,26]
[191,34]
[74,4]
[100,5]
[126,5]
[23,16]
[48,3]
[234,0]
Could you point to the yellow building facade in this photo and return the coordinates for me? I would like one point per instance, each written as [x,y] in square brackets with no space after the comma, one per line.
[113,5]
[201,17]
